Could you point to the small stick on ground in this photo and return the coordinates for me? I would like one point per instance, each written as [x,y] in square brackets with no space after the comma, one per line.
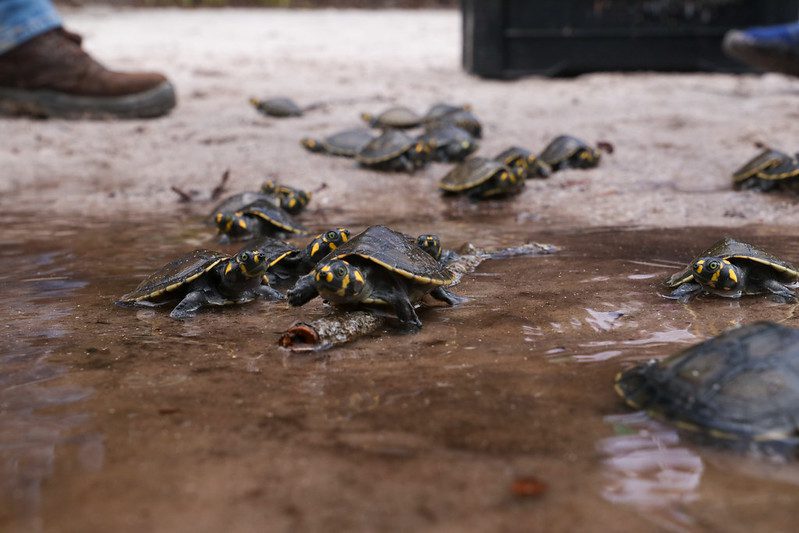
[184,197]
[220,188]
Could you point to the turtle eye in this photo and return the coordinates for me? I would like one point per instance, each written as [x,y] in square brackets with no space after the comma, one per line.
[331,236]
[341,271]
[244,257]
[713,265]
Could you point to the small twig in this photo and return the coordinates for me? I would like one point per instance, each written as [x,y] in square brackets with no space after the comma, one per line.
[184,196]
[217,191]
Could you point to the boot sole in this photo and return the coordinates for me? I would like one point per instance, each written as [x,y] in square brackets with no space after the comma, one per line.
[153,103]
[765,59]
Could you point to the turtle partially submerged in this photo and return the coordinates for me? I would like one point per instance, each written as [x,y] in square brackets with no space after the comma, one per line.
[480,178]
[285,262]
[524,163]
[739,389]
[448,143]
[346,143]
[203,278]
[398,117]
[377,268]
[393,150]
[770,169]
[566,151]
[279,107]
[258,219]
[731,269]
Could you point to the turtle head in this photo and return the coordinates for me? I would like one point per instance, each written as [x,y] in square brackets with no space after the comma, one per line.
[368,118]
[421,152]
[269,187]
[231,223]
[589,157]
[430,244]
[255,102]
[718,274]
[248,263]
[311,144]
[340,281]
[326,242]
[294,200]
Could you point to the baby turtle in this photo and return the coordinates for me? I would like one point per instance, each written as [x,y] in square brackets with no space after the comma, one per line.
[379,267]
[463,118]
[345,143]
[739,389]
[258,219]
[442,109]
[431,244]
[399,117]
[285,262]
[448,143]
[292,200]
[730,268]
[279,107]
[394,150]
[202,278]
[480,178]
[524,162]
[566,151]
[768,170]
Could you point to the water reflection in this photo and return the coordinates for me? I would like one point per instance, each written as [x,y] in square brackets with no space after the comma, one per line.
[646,467]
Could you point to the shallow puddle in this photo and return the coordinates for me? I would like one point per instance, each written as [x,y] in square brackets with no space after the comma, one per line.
[119,419]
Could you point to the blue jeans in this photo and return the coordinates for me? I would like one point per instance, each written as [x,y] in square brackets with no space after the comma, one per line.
[22,20]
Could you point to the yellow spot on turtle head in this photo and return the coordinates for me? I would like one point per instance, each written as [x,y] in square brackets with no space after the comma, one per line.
[699,268]
[358,276]
[329,277]
[715,278]
[344,234]
[465,145]
[700,262]
[228,268]
[318,276]
[332,246]
[242,224]
[219,218]
[731,274]
[314,248]
[504,176]
[255,102]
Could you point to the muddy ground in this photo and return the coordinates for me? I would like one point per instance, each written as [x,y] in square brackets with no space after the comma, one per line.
[125,420]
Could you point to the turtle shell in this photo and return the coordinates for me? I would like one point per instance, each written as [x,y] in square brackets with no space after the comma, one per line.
[400,117]
[278,107]
[347,143]
[440,110]
[174,275]
[239,201]
[742,384]
[739,252]
[462,118]
[273,250]
[443,134]
[396,252]
[765,160]
[470,174]
[274,215]
[391,144]
[563,148]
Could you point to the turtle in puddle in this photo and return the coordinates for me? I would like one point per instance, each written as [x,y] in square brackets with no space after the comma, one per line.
[481,178]
[203,278]
[257,219]
[393,150]
[397,117]
[731,269]
[279,107]
[346,143]
[566,151]
[739,389]
[524,163]
[769,170]
[285,262]
[378,268]
[448,143]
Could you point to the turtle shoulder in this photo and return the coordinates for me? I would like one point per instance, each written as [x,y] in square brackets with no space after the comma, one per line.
[175,274]
[396,252]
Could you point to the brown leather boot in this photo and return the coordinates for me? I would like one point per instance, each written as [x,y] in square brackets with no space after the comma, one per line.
[51,76]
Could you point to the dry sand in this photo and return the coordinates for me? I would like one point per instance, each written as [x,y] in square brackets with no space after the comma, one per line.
[677,137]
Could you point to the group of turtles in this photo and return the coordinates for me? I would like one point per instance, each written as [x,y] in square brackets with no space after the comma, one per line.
[740,388]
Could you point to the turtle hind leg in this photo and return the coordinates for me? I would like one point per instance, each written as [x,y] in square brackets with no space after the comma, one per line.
[189,306]
[268,293]
[406,314]
[779,291]
[450,298]
[685,292]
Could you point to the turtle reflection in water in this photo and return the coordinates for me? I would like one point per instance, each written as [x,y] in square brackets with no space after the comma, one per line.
[377,268]
[739,389]
[731,269]
[203,278]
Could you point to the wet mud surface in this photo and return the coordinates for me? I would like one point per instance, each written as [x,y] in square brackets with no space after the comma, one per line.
[125,420]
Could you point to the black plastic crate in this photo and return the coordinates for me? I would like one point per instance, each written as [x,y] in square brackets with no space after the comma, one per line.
[511,38]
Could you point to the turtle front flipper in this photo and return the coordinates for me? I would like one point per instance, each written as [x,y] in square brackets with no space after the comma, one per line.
[303,291]
[189,306]
[443,295]
[685,292]
[402,305]
[268,293]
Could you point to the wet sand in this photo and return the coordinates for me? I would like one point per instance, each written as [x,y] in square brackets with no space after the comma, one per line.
[125,420]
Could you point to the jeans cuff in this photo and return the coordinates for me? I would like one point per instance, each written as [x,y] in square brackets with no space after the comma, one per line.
[11,37]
